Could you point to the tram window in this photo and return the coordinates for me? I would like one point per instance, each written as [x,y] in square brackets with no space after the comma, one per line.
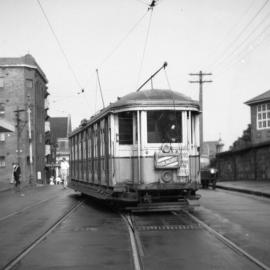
[125,128]
[164,127]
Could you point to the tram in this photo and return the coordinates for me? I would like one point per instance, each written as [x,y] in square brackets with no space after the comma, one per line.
[141,152]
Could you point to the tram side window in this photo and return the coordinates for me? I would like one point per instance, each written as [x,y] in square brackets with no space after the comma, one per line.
[125,127]
[164,127]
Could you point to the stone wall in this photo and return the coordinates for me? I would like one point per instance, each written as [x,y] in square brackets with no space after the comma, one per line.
[251,163]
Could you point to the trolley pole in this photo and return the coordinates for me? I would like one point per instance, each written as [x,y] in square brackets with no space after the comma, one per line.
[201,82]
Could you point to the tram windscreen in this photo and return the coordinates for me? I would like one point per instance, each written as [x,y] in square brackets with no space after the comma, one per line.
[164,127]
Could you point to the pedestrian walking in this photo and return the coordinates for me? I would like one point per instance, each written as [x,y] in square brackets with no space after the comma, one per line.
[64,167]
[17,177]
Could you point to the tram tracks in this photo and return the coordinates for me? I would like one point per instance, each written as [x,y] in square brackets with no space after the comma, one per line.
[137,247]
[227,242]
[137,252]
[14,261]
[28,207]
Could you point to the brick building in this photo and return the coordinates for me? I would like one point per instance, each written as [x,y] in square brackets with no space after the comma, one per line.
[23,95]
[248,158]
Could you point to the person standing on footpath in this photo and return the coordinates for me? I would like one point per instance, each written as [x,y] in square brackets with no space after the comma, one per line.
[17,177]
[64,166]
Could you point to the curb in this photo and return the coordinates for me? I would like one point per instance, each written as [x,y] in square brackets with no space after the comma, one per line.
[247,191]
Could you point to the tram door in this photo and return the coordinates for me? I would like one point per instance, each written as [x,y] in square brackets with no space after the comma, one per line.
[125,139]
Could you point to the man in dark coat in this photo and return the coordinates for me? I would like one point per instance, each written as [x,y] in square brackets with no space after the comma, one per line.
[17,176]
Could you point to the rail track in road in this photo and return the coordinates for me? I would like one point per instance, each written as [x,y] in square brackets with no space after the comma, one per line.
[14,261]
[182,221]
[168,240]
[228,242]
[28,207]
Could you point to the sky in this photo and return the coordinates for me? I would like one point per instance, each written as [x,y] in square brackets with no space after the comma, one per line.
[127,43]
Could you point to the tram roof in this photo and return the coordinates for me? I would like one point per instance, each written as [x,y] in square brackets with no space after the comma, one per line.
[153,97]
[147,98]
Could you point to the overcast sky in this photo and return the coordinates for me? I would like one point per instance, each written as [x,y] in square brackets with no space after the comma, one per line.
[127,43]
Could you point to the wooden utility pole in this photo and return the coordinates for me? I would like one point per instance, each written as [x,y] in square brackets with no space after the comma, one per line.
[201,82]
[30,142]
[18,123]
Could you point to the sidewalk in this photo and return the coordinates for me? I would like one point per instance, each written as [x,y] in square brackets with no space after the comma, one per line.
[259,188]
[9,187]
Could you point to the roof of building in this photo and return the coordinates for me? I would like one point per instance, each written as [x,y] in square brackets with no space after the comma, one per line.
[25,61]
[60,127]
[259,99]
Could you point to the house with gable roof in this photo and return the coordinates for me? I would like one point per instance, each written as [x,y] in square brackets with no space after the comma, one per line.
[248,158]
[260,118]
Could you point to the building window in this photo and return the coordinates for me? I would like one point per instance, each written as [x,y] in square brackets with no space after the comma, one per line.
[29,83]
[2,110]
[2,136]
[263,116]
[2,161]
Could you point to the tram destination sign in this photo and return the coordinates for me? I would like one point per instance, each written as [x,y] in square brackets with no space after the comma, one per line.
[168,161]
[173,161]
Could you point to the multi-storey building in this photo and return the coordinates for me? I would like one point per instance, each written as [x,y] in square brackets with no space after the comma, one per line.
[23,94]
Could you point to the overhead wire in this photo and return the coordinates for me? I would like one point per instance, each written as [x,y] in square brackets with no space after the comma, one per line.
[60,46]
[249,49]
[234,41]
[145,45]
[249,36]
[220,43]
[118,45]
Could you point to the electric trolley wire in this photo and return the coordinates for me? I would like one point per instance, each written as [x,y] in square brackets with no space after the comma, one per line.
[145,44]
[118,45]
[231,44]
[246,52]
[249,36]
[220,43]
[60,46]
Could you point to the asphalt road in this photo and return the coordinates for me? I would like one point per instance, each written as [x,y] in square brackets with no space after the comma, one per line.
[244,219]
[94,237]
